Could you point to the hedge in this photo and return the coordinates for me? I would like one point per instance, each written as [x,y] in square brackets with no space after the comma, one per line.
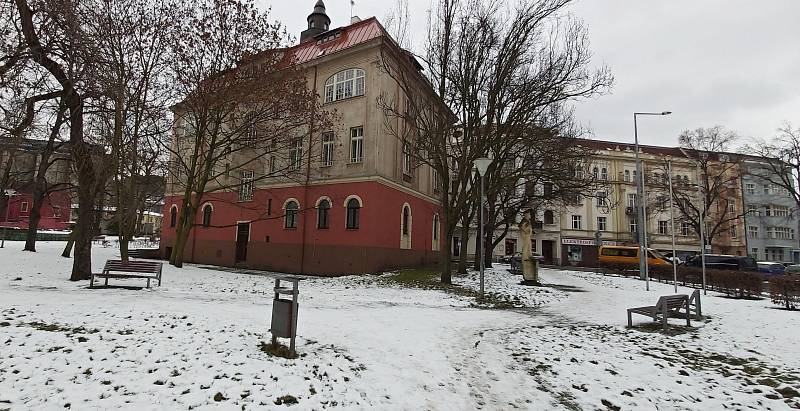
[733,283]
[785,290]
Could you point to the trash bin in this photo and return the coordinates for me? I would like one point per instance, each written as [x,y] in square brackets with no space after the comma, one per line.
[284,311]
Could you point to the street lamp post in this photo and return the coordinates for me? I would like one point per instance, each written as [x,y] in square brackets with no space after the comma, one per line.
[641,213]
[482,165]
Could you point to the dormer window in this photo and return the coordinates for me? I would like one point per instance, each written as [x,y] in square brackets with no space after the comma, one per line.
[345,84]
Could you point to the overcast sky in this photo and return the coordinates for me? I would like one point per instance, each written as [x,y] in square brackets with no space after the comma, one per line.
[730,62]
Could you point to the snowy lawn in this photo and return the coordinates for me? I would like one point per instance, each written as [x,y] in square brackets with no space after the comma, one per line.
[375,343]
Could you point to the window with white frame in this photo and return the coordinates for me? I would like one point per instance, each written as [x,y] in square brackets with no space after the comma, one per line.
[246,186]
[778,211]
[356,144]
[407,162]
[604,174]
[732,209]
[296,155]
[754,253]
[596,173]
[752,231]
[273,164]
[780,233]
[627,175]
[23,208]
[663,227]
[750,188]
[632,225]
[602,199]
[290,217]
[345,84]
[601,224]
[767,189]
[631,200]
[685,229]
[327,149]
[435,180]
[734,232]
[576,222]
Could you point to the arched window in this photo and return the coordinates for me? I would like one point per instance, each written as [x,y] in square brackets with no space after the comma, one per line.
[173,216]
[604,174]
[323,214]
[290,220]
[345,84]
[353,211]
[435,233]
[207,210]
[406,220]
[405,227]
[596,173]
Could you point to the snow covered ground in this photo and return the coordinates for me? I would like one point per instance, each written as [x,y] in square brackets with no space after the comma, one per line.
[368,344]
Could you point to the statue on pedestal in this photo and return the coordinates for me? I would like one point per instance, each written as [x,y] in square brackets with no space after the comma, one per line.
[530,269]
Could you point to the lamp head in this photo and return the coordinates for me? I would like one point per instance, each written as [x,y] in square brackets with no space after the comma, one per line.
[482,164]
[666,113]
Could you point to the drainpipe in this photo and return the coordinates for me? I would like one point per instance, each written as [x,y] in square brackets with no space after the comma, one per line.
[304,220]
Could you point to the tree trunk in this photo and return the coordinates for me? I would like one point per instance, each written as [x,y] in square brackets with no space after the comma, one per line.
[123,248]
[182,236]
[70,243]
[82,263]
[35,217]
[463,247]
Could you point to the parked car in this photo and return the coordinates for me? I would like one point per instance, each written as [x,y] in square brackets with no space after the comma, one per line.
[770,268]
[792,269]
[617,254]
[725,262]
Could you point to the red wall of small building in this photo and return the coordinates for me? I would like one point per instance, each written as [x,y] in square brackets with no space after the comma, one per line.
[373,247]
[49,220]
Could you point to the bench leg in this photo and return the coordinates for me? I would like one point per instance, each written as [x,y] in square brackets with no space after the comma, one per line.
[106,281]
[688,317]
[91,282]
[630,320]
[148,283]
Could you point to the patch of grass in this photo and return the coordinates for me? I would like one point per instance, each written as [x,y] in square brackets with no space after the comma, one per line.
[55,327]
[286,400]
[277,350]
[430,279]
[656,327]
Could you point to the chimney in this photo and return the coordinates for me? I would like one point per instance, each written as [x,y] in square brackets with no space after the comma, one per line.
[355,19]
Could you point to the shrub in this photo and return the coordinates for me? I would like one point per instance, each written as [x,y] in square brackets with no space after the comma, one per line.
[785,290]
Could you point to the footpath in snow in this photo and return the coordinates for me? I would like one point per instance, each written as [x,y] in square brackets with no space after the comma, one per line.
[368,344]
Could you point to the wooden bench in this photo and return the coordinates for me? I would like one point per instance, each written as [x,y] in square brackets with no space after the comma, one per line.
[666,305]
[694,305]
[131,269]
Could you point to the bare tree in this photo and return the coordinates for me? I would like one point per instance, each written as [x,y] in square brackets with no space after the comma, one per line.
[718,174]
[245,111]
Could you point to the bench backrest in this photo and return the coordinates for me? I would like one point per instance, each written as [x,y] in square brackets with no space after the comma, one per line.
[672,302]
[133,266]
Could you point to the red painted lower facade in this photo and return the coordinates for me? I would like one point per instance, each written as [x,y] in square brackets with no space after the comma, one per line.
[55,211]
[374,246]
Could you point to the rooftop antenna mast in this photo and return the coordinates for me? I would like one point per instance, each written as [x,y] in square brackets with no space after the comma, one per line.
[352,4]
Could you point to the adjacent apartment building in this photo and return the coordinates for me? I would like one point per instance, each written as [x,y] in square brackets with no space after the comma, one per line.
[772,217]
[364,208]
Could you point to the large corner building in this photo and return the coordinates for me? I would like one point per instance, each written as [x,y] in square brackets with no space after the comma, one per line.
[365,207]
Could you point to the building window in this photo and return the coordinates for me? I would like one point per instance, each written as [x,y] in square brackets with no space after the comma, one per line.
[327,149]
[685,229]
[604,174]
[754,253]
[207,210]
[246,187]
[631,200]
[345,84]
[602,199]
[56,211]
[353,211]
[273,164]
[356,144]
[406,159]
[750,188]
[173,216]
[732,209]
[632,225]
[734,232]
[549,218]
[596,173]
[323,214]
[663,228]
[767,189]
[627,175]
[290,220]
[269,206]
[752,231]
[436,181]
[601,224]
[576,222]
[406,220]
[435,233]
[23,208]
[296,155]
